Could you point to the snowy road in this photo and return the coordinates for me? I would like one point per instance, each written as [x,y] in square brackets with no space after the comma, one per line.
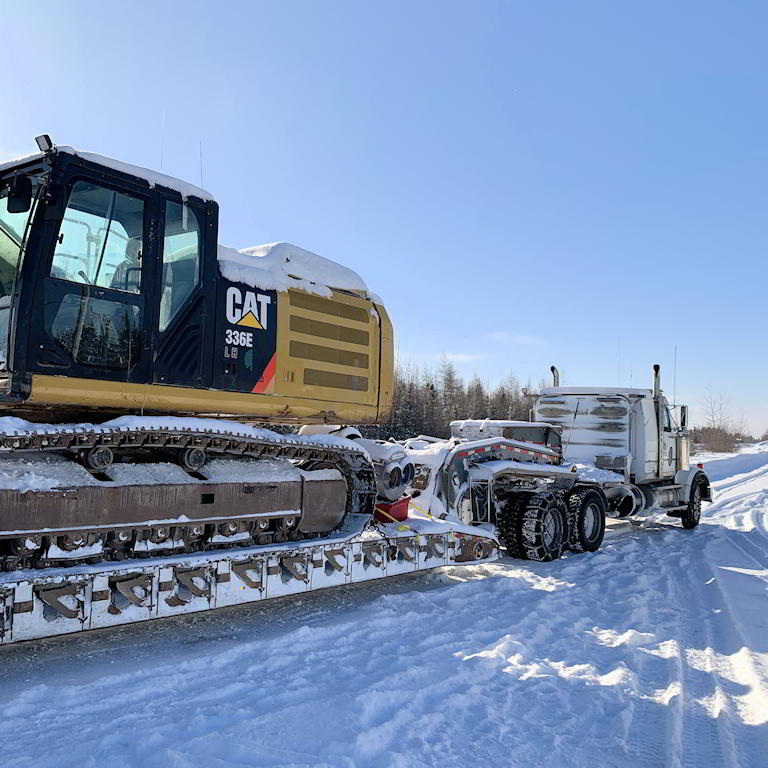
[652,652]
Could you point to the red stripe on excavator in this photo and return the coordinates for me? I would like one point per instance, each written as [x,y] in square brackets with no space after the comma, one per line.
[266,377]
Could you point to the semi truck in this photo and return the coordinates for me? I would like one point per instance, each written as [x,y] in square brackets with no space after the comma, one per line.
[549,484]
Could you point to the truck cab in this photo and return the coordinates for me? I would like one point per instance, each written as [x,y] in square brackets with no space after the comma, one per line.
[635,433]
[629,431]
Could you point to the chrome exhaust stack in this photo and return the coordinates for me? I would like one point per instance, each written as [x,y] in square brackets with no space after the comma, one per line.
[555,376]
[656,381]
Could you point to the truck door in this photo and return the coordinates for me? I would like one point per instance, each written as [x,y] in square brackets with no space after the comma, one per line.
[668,441]
[89,307]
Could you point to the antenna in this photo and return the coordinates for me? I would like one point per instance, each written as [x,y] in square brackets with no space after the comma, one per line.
[162,137]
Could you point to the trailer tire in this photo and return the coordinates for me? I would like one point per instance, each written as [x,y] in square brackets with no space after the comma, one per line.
[691,515]
[586,520]
[533,526]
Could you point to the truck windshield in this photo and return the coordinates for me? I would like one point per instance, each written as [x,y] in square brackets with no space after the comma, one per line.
[13,228]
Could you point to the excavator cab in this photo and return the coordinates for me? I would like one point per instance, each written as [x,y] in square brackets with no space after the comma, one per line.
[111,298]
[102,277]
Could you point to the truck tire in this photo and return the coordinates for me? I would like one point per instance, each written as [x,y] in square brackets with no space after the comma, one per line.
[691,515]
[533,526]
[586,520]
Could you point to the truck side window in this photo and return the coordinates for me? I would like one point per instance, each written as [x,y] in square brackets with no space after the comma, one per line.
[667,419]
[100,239]
[181,260]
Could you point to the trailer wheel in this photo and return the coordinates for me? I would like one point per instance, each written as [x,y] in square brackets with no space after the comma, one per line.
[692,513]
[533,526]
[586,520]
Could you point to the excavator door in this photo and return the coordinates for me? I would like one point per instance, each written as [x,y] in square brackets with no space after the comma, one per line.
[93,282]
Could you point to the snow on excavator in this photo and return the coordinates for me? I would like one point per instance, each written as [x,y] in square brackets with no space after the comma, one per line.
[135,356]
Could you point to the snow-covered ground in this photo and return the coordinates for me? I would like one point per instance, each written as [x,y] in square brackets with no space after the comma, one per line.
[652,652]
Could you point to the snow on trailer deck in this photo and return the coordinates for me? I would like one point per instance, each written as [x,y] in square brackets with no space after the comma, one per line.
[653,651]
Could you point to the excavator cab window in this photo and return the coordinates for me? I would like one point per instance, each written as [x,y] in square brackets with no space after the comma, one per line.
[181,260]
[93,302]
[100,239]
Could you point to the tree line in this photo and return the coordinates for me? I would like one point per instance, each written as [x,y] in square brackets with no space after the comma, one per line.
[426,401]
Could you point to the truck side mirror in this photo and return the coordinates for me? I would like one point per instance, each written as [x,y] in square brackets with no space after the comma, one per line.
[20,194]
[683,416]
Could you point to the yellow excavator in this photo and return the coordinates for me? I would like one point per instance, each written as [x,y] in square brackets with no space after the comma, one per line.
[136,356]
[117,298]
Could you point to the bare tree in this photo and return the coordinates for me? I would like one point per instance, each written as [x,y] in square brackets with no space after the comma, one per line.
[715,410]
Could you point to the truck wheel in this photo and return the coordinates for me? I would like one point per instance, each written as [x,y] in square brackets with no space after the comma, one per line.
[533,526]
[692,513]
[586,521]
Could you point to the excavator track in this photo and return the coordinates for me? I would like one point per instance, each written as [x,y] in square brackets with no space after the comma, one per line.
[105,520]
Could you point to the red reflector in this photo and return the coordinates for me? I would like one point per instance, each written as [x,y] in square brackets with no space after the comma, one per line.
[700,466]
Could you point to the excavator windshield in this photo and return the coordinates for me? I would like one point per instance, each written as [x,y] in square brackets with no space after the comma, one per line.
[13,233]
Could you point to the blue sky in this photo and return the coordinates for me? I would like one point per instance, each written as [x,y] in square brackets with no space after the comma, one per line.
[523,183]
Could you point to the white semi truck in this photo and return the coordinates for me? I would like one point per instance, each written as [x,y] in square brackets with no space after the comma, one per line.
[548,484]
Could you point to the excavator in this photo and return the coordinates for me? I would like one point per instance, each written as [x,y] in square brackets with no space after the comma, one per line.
[141,364]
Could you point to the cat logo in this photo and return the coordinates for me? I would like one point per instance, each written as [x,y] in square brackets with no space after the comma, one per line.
[249,310]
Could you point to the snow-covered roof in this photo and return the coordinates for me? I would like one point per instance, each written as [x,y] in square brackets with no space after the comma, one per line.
[6,164]
[153,178]
[595,391]
[280,266]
